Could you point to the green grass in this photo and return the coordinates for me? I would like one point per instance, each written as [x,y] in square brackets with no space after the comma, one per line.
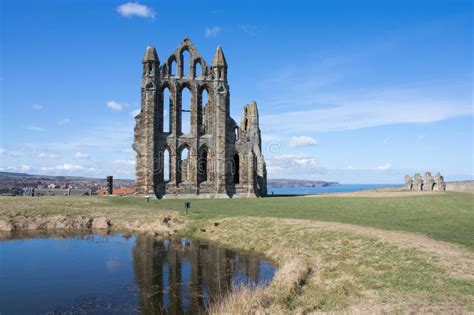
[339,269]
[447,217]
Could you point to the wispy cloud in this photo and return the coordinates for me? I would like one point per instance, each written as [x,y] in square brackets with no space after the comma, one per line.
[34,128]
[302,141]
[81,156]
[249,29]
[64,121]
[48,156]
[7,153]
[113,105]
[327,97]
[130,9]
[369,108]
[213,31]
[384,167]
[69,167]
[37,106]
[22,168]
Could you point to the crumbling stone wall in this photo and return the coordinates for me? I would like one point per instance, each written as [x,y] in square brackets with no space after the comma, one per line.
[425,183]
[223,159]
[408,183]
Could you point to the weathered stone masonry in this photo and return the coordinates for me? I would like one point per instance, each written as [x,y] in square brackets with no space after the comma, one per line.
[425,183]
[217,157]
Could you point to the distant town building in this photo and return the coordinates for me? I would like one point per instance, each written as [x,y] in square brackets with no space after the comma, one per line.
[117,191]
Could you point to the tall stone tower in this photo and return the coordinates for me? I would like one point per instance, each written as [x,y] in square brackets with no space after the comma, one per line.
[189,146]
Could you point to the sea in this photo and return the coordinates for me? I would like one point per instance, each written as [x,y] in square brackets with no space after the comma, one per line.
[325,190]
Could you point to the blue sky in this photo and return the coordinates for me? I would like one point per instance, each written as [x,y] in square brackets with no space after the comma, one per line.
[353,91]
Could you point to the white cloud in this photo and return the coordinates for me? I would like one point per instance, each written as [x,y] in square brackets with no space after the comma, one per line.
[68,167]
[48,156]
[134,113]
[384,167]
[37,106]
[113,105]
[64,121]
[34,128]
[130,9]
[213,31]
[21,168]
[81,156]
[3,152]
[302,141]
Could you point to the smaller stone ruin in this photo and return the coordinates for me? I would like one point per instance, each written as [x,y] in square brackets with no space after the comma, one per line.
[426,182]
[418,186]
[439,184]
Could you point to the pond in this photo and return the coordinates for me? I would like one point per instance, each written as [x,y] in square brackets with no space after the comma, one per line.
[120,274]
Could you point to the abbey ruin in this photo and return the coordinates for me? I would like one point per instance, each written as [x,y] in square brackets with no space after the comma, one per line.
[425,183]
[185,141]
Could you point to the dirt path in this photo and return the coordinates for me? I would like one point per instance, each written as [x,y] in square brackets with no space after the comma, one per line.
[458,260]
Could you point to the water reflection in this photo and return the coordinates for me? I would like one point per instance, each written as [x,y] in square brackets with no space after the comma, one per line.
[117,274]
[181,275]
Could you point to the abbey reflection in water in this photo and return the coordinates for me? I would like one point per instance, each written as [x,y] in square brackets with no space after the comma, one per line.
[60,272]
[181,275]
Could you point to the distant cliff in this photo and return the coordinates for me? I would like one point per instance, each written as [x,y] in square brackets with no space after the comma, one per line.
[284,183]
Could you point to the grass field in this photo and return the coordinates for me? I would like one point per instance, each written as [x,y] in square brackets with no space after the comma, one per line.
[447,217]
[324,263]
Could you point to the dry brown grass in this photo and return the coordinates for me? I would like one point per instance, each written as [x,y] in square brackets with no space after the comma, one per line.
[76,212]
[336,267]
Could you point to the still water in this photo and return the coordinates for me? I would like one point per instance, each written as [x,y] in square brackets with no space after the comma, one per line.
[120,274]
[324,190]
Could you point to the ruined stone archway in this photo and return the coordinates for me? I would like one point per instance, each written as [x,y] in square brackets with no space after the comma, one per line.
[184,154]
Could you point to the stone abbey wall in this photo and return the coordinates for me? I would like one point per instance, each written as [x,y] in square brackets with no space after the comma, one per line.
[216,157]
[426,182]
